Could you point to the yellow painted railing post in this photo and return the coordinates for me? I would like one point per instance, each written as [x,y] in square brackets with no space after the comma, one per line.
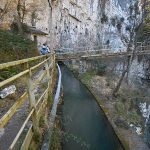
[32,102]
[48,74]
[53,70]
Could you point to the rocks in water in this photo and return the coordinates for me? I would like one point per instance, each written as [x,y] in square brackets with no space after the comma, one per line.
[121,123]
[7,91]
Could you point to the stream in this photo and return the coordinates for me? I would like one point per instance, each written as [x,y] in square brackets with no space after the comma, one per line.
[85,125]
[108,70]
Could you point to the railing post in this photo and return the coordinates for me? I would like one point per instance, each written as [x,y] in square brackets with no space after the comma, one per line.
[32,102]
[53,70]
[48,74]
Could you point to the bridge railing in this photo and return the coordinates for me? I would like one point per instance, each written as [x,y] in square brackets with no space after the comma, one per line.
[37,106]
[101,51]
[85,49]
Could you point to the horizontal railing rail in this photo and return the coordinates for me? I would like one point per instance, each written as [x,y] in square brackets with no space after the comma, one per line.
[19,62]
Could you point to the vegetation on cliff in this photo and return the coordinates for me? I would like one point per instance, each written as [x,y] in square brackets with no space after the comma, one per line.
[14,47]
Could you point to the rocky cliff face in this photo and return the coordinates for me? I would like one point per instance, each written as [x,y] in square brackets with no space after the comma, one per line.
[32,13]
[76,23]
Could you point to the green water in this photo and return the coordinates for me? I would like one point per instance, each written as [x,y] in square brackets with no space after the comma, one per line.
[85,125]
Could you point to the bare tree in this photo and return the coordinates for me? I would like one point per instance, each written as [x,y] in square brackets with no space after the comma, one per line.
[26,9]
[13,7]
[5,10]
[34,9]
[135,21]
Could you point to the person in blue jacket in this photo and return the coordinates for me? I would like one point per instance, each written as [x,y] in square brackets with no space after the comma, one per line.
[44,49]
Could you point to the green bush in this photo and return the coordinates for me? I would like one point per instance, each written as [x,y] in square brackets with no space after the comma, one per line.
[87,76]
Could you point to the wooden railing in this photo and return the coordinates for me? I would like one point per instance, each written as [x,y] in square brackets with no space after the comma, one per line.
[37,106]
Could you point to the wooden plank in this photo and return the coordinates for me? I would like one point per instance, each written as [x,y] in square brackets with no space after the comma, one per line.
[28,139]
[4,120]
[19,62]
[21,130]
[88,54]
[85,51]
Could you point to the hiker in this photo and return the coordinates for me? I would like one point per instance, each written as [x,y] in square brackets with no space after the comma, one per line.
[44,49]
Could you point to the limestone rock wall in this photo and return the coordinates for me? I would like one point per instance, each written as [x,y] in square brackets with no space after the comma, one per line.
[78,23]
[75,23]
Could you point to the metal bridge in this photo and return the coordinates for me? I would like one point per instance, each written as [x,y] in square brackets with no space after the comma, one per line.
[38,106]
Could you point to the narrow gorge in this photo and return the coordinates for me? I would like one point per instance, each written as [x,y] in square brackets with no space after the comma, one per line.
[100,49]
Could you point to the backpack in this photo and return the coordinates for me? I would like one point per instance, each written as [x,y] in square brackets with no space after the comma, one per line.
[44,50]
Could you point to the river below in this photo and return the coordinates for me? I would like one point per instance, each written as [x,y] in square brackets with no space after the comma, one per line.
[85,125]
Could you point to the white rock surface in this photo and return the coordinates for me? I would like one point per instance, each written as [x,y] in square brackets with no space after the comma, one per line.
[145,110]
[137,129]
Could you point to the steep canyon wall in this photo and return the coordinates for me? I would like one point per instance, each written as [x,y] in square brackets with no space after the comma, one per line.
[78,23]
[74,23]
